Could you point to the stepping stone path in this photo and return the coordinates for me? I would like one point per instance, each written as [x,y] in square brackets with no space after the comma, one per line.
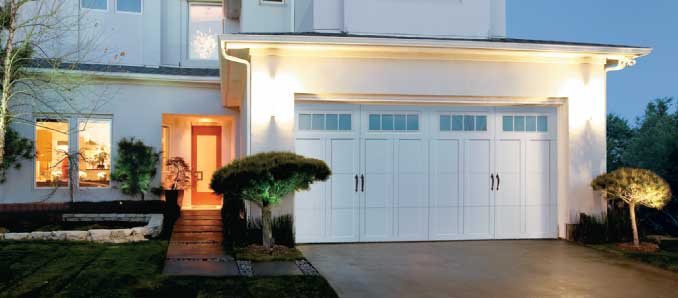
[196,249]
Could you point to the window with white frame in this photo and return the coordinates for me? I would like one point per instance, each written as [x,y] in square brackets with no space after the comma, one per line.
[51,153]
[94,148]
[94,4]
[205,23]
[129,6]
[272,1]
[393,122]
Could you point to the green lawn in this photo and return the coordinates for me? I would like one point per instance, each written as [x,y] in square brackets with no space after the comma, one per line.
[63,269]
[663,259]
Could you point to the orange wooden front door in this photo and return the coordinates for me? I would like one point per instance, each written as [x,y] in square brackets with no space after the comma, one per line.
[205,159]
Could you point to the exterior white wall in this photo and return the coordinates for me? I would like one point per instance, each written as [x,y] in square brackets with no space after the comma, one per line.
[455,18]
[276,80]
[136,111]
[258,16]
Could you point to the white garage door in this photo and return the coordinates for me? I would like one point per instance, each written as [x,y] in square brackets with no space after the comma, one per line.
[404,173]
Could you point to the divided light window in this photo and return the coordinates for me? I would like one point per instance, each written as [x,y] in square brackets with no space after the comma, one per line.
[51,149]
[525,123]
[129,6]
[94,4]
[463,123]
[204,25]
[94,146]
[318,121]
[393,122]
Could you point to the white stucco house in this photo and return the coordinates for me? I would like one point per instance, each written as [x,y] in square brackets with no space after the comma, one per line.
[436,125]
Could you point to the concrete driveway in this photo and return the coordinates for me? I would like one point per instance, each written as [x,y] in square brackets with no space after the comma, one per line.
[523,269]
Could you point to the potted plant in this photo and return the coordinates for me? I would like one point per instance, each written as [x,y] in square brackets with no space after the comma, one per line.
[177,180]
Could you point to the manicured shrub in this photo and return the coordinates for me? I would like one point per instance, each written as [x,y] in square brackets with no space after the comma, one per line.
[591,229]
[266,179]
[636,187]
[234,217]
[135,167]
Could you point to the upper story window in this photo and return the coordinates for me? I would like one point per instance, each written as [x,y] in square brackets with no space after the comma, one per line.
[129,6]
[204,25]
[94,4]
[272,1]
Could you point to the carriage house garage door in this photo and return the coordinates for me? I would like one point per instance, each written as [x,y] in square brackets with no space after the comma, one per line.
[412,173]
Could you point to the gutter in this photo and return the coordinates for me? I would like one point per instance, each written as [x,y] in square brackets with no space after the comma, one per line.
[248,95]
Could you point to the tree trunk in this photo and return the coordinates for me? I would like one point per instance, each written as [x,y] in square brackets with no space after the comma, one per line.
[634,225]
[266,226]
[8,72]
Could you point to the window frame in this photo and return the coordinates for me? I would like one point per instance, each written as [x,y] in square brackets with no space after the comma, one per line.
[393,113]
[186,59]
[95,9]
[297,121]
[45,118]
[141,12]
[524,116]
[77,142]
[464,115]
[273,3]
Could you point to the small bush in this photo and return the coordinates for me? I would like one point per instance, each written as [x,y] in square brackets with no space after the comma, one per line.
[135,167]
[234,217]
[591,230]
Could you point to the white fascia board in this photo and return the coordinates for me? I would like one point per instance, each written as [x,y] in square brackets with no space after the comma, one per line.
[120,76]
[256,40]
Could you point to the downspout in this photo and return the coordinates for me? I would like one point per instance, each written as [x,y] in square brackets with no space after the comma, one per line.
[248,97]
[620,64]
[293,17]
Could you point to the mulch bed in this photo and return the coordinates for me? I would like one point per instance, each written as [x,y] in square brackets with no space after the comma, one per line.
[644,247]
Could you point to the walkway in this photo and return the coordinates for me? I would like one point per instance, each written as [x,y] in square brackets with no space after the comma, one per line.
[196,248]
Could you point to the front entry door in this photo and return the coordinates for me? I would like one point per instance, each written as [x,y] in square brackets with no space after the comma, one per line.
[205,159]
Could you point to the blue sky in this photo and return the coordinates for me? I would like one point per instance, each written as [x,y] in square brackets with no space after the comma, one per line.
[651,23]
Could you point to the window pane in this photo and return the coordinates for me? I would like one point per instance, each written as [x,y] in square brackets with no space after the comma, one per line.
[331,122]
[412,122]
[129,5]
[457,123]
[94,140]
[95,4]
[445,122]
[375,122]
[51,149]
[542,124]
[530,123]
[507,123]
[469,123]
[400,122]
[318,122]
[305,121]
[386,122]
[203,28]
[481,123]
[345,122]
[520,123]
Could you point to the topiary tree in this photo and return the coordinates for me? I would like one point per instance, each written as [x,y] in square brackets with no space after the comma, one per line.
[135,167]
[265,179]
[635,187]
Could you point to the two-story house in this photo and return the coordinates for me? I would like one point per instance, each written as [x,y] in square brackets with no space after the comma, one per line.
[435,124]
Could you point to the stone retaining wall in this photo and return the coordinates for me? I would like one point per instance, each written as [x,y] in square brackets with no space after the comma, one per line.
[153,228]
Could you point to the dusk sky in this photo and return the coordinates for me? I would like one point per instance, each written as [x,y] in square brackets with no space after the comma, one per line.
[650,23]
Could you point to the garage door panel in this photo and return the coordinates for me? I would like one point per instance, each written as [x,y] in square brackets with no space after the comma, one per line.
[412,157]
[538,188]
[478,156]
[343,191]
[379,191]
[344,224]
[378,224]
[537,220]
[478,221]
[445,190]
[444,222]
[510,223]
[412,223]
[378,156]
[344,156]
[509,193]
[412,190]
[478,190]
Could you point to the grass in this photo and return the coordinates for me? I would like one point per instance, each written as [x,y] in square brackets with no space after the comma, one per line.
[256,253]
[663,259]
[68,269]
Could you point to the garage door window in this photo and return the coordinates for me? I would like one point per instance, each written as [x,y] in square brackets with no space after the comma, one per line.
[525,123]
[394,122]
[331,122]
[463,123]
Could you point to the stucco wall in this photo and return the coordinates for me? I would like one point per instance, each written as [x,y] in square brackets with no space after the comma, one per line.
[581,144]
[136,111]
